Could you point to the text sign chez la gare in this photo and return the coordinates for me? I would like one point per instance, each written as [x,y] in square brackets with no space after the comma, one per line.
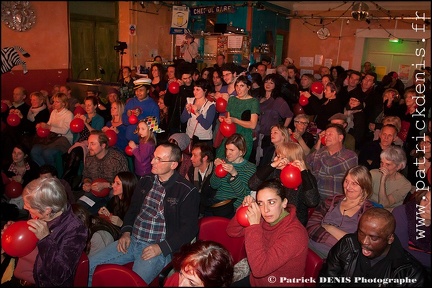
[213,10]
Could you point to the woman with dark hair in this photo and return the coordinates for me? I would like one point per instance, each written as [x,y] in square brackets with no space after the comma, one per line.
[122,189]
[257,87]
[328,107]
[22,169]
[158,84]
[202,264]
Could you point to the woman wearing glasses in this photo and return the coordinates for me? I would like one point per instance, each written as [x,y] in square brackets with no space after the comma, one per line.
[300,133]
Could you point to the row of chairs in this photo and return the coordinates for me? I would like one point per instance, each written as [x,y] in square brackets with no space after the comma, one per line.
[210,228]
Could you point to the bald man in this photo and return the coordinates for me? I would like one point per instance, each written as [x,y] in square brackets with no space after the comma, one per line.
[372,256]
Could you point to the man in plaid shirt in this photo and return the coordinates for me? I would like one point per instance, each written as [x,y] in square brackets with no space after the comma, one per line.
[163,215]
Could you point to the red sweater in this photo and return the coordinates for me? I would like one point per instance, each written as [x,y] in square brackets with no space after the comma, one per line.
[275,253]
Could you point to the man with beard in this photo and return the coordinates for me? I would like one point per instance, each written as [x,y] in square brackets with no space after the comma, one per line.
[101,162]
[373,256]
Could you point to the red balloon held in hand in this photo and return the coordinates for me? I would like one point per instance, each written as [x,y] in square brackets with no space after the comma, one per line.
[128,150]
[220,171]
[133,119]
[221,105]
[227,129]
[102,193]
[13,120]
[293,138]
[112,137]
[42,132]
[13,189]
[298,109]
[79,110]
[241,216]
[17,240]
[323,141]
[77,125]
[291,177]
[174,87]
[4,107]
[303,100]
[317,87]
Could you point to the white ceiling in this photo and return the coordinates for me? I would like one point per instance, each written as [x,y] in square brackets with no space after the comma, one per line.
[326,5]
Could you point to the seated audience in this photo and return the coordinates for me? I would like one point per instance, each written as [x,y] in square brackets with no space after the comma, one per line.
[341,119]
[278,135]
[116,124]
[338,215]
[300,133]
[182,140]
[275,241]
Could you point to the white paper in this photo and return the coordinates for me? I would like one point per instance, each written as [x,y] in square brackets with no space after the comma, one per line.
[328,62]
[235,42]
[306,61]
[318,59]
[345,64]
[87,200]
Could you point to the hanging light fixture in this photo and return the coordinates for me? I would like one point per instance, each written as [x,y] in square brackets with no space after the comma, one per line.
[360,11]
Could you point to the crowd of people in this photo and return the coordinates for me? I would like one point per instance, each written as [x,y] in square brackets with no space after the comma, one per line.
[193,144]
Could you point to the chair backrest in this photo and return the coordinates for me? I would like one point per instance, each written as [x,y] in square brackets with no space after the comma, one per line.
[214,228]
[82,272]
[114,275]
[313,267]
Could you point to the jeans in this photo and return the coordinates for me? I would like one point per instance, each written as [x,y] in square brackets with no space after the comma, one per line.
[146,269]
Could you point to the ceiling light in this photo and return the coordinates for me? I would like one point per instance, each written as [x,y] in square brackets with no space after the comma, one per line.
[360,11]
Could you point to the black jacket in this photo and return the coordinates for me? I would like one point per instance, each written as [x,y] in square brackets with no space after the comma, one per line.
[343,257]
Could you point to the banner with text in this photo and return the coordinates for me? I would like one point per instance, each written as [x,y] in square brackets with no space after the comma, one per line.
[213,10]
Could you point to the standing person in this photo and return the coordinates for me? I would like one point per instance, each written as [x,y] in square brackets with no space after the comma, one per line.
[234,186]
[220,60]
[158,84]
[338,215]
[327,107]
[61,235]
[60,139]
[369,253]
[352,87]
[164,120]
[189,48]
[199,113]
[303,197]
[126,84]
[143,152]
[163,200]
[243,111]
[275,241]
[356,119]
[202,264]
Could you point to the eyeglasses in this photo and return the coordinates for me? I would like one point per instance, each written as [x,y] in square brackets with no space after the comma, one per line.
[159,160]
[226,74]
[299,122]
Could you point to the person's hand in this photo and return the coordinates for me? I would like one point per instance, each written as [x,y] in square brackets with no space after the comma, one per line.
[325,226]
[86,186]
[18,112]
[279,163]
[189,108]
[221,118]
[217,95]
[132,144]
[306,94]
[104,211]
[129,112]
[253,213]
[299,164]
[6,226]
[124,243]
[218,161]
[229,168]
[319,95]
[116,220]
[17,178]
[98,186]
[137,112]
[82,117]
[384,172]
[105,128]
[247,200]
[151,251]
[39,228]
[296,135]
[229,120]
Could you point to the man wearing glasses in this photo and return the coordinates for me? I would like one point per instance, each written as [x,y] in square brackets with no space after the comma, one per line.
[163,216]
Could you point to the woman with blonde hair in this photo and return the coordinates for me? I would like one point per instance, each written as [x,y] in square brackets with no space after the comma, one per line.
[339,215]
[306,195]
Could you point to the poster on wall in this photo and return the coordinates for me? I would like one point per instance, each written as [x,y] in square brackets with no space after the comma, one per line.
[404,72]
[306,62]
[318,59]
[179,20]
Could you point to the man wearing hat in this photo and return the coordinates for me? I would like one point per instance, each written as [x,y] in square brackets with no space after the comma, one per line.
[141,106]
[189,49]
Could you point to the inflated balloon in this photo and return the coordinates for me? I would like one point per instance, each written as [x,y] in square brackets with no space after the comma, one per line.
[79,110]
[227,129]
[174,87]
[42,132]
[4,107]
[13,120]
[317,87]
[323,140]
[112,137]
[18,240]
[303,100]
[291,176]
[133,119]
[77,125]
[221,105]
[298,109]
[220,171]
[128,150]
[13,189]
[241,216]
[102,193]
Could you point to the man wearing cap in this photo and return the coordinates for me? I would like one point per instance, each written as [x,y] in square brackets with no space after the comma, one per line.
[189,49]
[141,106]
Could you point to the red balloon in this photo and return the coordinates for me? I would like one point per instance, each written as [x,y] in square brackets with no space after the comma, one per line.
[13,120]
[317,87]
[13,189]
[220,171]
[221,105]
[298,109]
[18,240]
[291,177]
[102,193]
[42,132]
[112,137]
[293,138]
[174,87]
[5,179]
[227,129]
[323,140]
[79,110]
[77,125]
[128,150]
[303,100]
[133,119]
[4,107]
[241,216]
